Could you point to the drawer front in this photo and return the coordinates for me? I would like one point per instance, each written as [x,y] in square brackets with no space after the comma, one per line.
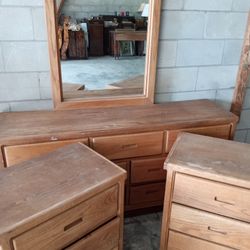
[222,131]
[105,238]
[19,153]
[178,241]
[147,193]
[127,146]
[146,170]
[211,227]
[212,196]
[71,225]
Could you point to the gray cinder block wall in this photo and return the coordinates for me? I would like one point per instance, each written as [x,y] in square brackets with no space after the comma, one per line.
[200,46]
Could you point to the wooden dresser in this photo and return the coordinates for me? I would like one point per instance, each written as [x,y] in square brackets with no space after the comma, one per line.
[207,199]
[137,138]
[69,199]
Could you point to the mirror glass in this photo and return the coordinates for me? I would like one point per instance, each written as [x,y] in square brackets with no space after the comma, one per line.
[102,45]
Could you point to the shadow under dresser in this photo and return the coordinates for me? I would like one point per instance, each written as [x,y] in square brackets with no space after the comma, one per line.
[71,199]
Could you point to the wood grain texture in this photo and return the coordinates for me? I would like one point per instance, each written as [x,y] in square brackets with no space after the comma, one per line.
[212,196]
[211,158]
[178,241]
[34,191]
[105,238]
[19,153]
[210,227]
[150,70]
[243,74]
[125,146]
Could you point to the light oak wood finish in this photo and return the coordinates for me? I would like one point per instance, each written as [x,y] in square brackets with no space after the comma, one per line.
[207,193]
[54,200]
[150,70]
[133,135]
[243,74]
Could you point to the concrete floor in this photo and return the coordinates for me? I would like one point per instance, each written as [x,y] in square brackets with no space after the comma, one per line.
[142,232]
[98,72]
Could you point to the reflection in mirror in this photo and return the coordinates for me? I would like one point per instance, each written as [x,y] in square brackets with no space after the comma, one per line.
[102,47]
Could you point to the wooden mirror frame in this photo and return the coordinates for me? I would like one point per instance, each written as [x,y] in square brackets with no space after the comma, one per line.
[150,69]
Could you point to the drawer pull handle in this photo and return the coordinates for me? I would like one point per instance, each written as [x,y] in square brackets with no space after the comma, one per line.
[154,169]
[216,230]
[225,202]
[73,224]
[129,146]
[53,138]
[151,191]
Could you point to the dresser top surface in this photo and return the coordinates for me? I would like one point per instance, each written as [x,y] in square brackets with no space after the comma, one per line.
[213,158]
[74,123]
[47,185]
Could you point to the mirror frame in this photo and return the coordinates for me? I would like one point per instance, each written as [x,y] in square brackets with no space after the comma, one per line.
[150,67]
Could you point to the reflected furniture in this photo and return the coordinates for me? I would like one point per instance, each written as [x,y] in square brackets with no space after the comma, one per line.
[207,197]
[136,138]
[69,199]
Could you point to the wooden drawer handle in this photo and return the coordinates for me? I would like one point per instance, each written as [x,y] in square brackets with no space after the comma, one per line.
[53,138]
[216,230]
[154,170]
[73,224]
[129,146]
[225,202]
[152,191]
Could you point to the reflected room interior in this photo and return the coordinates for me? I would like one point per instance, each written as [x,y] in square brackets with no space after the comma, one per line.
[102,47]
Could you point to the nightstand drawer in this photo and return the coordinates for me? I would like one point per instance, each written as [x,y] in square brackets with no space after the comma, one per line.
[212,196]
[221,131]
[71,225]
[147,193]
[210,227]
[128,146]
[146,170]
[19,153]
[178,241]
[105,238]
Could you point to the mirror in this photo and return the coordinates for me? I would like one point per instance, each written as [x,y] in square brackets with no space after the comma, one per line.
[103,52]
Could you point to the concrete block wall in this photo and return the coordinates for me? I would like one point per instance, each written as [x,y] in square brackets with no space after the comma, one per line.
[200,45]
[199,53]
[24,62]
[85,8]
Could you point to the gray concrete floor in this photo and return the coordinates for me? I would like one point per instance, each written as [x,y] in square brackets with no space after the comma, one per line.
[142,232]
[98,72]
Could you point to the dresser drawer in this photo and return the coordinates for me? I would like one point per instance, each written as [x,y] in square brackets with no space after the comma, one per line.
[127,146]
[178,241]
[212,196]
[71,225]
[105,238]
[19,153]
[221,131]
[207,226]
[147,193]
[146,170]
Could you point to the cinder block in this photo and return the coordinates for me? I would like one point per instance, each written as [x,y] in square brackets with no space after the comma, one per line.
[25,56]
[226,25]
[182,25]
[247,100]
[167,53]
[248,136]
[241,5]
[232,52]
[15,24]
[199,52]
[240,135]
[172,4]
[40,29]
[44,79]
[176,79]
[22,3]
[216,5]
[4,107]
[224,98]
[244,120]
[181,96]
[216,77]
[45,93]
[1,60]
[31,105]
